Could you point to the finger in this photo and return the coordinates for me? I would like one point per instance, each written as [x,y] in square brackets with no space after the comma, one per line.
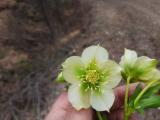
[116,115]
[119,115]
[120,94]
[63,110]
[60,105]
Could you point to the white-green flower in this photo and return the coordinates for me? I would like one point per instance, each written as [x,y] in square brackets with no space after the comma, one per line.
[92,77]
[138,68]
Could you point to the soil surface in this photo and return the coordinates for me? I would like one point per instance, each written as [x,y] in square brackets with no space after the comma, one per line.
[36,36]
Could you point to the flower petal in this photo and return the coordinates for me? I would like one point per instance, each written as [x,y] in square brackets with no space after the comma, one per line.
[156,75]
[78,98]
[145,68]
[150,75]
[112,73]
[72,69]
[146,62]
[128,59]
[98,53]
[102,101]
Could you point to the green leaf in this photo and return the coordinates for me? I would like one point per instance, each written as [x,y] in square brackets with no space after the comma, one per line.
[136,92]
[150,99]
[60,78]
[152,90]
[152,102]
[134,95]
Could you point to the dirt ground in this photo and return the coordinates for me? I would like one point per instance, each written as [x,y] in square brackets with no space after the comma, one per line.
[36,37]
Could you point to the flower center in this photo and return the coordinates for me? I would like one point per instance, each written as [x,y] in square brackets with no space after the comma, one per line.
[92,76]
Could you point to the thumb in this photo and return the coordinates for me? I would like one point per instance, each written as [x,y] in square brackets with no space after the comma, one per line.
[63,110]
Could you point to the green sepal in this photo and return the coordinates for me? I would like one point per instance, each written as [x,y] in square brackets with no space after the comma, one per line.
[60,78]
[124,76]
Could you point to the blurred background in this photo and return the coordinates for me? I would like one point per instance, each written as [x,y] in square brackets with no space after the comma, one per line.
[36,36]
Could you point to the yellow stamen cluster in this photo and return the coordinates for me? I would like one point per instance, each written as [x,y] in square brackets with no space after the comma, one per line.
[92,76]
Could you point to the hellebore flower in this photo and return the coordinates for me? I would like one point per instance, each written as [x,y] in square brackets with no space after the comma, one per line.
[92,77]
[138,68]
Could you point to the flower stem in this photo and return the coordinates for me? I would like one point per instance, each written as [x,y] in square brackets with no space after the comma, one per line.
[126,100]
[99,115]
[143,91]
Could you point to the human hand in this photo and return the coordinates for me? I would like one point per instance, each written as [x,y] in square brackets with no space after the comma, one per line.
[117,112]
[63,110]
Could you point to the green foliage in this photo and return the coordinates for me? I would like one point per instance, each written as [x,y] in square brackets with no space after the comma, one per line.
[150,99]
[134,95]
[152,90]
[151,102]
